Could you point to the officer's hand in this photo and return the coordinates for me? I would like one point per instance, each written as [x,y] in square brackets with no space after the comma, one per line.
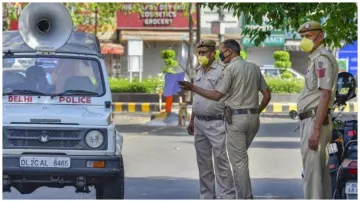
[185,85]
[190,128]
[314,139]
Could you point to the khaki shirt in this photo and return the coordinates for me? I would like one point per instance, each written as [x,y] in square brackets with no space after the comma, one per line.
[209,80]
[241,83]
[322,73]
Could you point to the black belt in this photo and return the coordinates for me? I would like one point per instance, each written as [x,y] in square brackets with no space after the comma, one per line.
[210,118]
[244,111]
[309,113]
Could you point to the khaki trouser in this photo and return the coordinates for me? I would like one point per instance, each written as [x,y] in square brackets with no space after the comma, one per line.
[240,135]
[209,142]
[317,181]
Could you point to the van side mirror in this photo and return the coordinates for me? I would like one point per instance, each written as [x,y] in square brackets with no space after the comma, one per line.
[293,114]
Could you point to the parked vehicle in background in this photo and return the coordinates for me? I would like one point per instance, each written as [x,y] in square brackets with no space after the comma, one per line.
[272,71]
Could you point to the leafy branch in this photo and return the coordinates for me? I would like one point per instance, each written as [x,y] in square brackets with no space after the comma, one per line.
[84,13]
[340,18]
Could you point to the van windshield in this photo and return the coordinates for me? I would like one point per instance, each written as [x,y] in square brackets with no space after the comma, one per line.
[52,76]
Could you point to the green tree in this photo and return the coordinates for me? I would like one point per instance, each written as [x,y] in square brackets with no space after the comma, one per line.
[340,25]
[169,57]
[282,62]
[83,13]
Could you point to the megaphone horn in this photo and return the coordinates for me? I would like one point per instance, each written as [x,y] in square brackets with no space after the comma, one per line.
[45,26]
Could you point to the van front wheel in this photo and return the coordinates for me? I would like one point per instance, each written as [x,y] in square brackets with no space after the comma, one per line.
[115,189]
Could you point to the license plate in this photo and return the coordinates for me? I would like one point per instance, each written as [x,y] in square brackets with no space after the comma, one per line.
[332,148]
[45,162]
[351,188]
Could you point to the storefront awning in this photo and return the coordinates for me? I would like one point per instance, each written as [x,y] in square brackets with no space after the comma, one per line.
[292,45]
[148,35]
[158,35]
[215,37]
[111,49]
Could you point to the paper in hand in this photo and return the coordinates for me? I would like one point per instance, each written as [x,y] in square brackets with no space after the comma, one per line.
[171,83]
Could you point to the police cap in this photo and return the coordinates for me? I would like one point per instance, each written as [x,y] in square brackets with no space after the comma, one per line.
[206,43]
[310,26]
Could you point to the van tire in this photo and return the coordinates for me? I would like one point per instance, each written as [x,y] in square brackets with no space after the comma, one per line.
[113,190]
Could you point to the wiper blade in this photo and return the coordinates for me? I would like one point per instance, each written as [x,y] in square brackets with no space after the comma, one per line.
[16,92]
[69,92]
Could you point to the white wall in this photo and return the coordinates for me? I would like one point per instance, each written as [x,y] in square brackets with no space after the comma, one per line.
[299,60]
[232,24]
[262,56]
[152,61]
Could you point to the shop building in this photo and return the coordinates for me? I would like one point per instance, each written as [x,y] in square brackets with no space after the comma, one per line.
[263,54]
[232,25]
[158,30]
[298,58]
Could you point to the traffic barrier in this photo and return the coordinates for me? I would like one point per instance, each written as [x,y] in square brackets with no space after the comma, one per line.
[271,108]
[136,107]
[286,107]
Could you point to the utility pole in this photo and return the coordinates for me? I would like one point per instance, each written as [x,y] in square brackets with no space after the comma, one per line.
[198,25]
[189,96]
[191,39]
[222,28]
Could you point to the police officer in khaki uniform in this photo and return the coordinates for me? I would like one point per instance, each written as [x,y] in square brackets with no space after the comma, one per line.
[313,104]
[240,84]
[208,126]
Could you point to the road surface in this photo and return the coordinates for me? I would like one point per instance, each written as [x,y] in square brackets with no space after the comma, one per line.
[160,163]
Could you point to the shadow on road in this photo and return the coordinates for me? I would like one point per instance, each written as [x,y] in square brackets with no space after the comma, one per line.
[267,144]
[275,145]
[266,130]
[278,130]
[182,188]
[136,128]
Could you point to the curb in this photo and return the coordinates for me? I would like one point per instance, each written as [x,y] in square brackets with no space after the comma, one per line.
[136,107]
[287,107]
[271,108]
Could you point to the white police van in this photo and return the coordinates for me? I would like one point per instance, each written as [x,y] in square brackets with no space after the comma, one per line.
[58,125]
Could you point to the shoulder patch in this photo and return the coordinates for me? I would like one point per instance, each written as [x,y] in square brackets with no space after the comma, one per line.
[320,71]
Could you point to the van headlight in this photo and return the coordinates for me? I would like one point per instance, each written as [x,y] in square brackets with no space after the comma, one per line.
[94,139]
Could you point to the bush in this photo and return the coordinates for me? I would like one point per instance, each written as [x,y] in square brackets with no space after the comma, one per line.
[287,75]
[279,85]
[243,55]
[281,55]
[276,85]
[125,86]
[169,57]
[166,54]
[282,62]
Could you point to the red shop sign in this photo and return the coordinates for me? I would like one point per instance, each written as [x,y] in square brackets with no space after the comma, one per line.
[154,16]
